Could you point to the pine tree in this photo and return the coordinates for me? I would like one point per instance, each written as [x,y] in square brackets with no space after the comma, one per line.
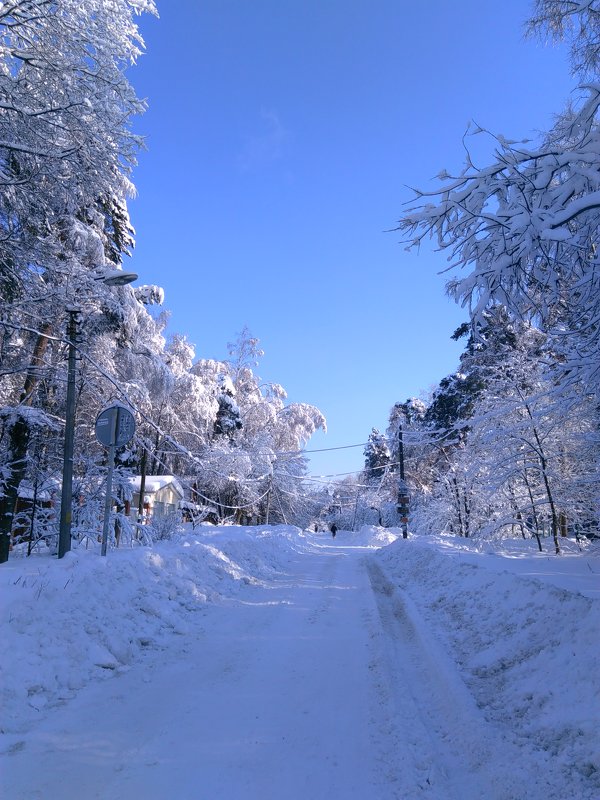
[377,456]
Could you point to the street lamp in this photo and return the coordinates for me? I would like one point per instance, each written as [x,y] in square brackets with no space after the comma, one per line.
[110,277]
[115,277]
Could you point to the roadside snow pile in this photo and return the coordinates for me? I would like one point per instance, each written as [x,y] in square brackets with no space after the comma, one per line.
[524,630]
[66,623]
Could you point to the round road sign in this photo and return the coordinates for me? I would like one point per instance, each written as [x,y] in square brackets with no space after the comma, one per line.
[115,426]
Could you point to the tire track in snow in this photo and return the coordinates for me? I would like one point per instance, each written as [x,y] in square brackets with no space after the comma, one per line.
[281,692]
[316,684]
[442,718]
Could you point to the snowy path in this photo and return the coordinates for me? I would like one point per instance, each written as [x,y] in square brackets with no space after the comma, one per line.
[316,686]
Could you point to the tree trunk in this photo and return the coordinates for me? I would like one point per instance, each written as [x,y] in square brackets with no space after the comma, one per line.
[536,531]
[543,465]
[155,462]
[37,360]
[562,518]
[458,506]
[19,435]
[268,504]
[467,514]
[143,462]
[515,508]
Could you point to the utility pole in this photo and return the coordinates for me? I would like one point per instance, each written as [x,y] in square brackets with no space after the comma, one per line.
[401,452]
[64,532]
[403,496]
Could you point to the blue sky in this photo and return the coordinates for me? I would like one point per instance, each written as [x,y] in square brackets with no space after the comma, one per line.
[282,136]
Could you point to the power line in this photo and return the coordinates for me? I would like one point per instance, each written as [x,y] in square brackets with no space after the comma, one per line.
[389,439]
[354,472]
[322,449]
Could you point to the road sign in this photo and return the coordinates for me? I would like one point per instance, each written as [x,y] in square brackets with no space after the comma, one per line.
[115,426]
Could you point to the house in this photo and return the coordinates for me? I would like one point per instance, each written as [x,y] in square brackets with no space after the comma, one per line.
[162,495]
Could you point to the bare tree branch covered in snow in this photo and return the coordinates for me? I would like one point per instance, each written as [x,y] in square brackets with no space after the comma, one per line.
[575,20]
[525,229]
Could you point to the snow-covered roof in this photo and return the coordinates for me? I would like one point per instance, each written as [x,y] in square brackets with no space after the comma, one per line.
[156,482]
[27,493]
[44,491]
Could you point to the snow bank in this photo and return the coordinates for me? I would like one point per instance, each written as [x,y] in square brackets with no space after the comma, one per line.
[522,627]
[69,622]
[524,630]
[368,536]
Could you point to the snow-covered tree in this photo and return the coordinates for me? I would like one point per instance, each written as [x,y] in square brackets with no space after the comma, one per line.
[577,22]
[524,229]
[253,467]
[66,147]
[66,150]
[228,420]
[511,455]
[512,436]
[377,456]
[531,453]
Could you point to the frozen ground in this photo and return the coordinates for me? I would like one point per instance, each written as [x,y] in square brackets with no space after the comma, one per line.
[244,663]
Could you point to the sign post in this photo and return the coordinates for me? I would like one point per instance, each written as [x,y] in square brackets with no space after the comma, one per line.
[115,426]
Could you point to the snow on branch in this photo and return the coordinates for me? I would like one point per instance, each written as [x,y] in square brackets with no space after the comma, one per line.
[525,228]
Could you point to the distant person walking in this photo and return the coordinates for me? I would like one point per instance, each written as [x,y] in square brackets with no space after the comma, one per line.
[333,530]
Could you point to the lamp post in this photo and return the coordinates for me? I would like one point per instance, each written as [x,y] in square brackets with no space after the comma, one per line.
[110,277]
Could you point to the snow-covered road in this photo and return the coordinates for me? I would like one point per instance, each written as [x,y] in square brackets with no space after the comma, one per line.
[322,681]
[280,693]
